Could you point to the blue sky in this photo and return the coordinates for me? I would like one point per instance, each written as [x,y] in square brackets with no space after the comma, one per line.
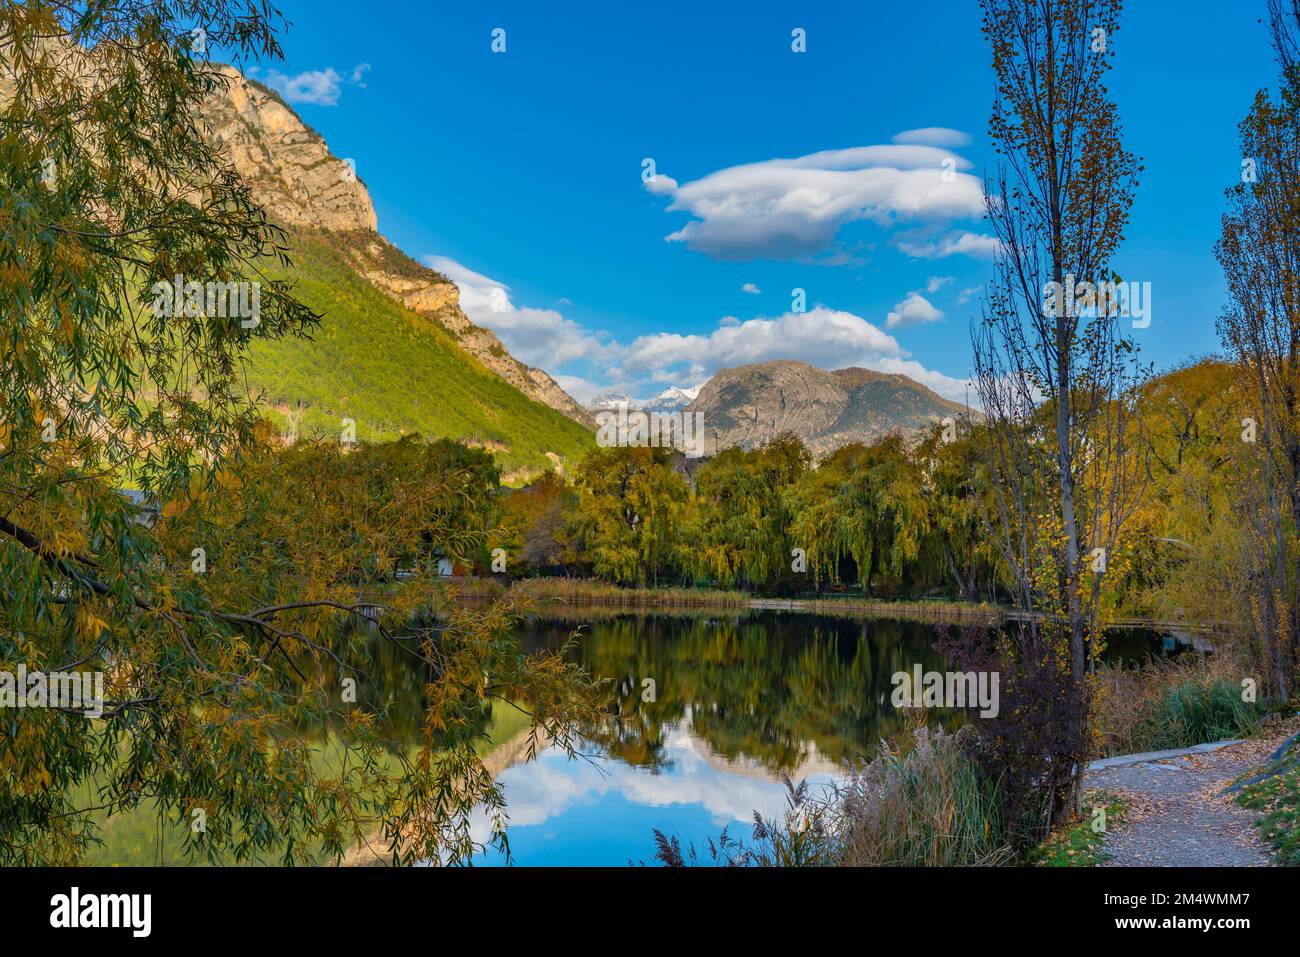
[522,171]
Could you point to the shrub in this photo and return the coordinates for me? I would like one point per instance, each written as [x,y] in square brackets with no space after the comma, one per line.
[932,807]
[1039,736]
[1198,711]
[1172,704]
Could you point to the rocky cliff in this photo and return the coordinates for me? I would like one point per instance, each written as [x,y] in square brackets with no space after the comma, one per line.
[302,185]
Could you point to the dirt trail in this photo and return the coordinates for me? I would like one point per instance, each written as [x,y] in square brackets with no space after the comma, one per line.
[1178,814]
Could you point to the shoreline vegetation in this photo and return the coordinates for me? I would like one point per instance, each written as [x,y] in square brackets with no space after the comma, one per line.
[554,593]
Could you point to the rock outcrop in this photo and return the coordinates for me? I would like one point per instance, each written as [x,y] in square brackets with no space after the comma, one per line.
[750,405]
[302,185]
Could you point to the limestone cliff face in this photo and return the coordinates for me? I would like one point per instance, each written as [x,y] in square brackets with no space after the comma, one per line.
[291,170]
[435,297]
[750,405]
[302,185]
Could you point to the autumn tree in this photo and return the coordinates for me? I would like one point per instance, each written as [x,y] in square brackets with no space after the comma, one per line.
[1052,364]
[629,513]
[864,504]
[1259,251]
[536,523]
[739,520]
[956,486]
[216,631]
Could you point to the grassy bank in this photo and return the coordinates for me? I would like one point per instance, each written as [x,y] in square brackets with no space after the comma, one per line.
[1274,791]
[540,594]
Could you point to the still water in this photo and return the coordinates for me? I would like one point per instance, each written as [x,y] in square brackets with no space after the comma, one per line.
[738,702]
[709,712]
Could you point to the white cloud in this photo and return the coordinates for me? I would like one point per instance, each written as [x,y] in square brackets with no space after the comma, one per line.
[967,294]
[581,389]
[317,87]
[976,245]
[935,283]
[823,337]
[794,208]
[661,185]
[750,288]
[933,136]
[539,337]
[912,311]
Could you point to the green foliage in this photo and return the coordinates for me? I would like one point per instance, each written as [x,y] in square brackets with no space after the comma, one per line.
[1080,844]
[896,517]
[1197,711]
[222,633]
[865,504]
[629,513]
[739,518]
[394,372]
[1278,797]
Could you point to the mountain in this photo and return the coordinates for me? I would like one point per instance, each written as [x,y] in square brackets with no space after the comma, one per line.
[611,400]
[395,352]
[671,399]
[750,405]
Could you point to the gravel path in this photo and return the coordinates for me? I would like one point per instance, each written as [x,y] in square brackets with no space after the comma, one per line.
[1178,815]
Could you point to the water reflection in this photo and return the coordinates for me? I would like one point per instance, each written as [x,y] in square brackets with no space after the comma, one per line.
[738,701]
[767,687]
[707,715]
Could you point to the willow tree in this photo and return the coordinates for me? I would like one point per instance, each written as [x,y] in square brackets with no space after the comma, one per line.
[1052,364]
[110,186]
[738,525]
[629,512]
[1259,251]
[866,504]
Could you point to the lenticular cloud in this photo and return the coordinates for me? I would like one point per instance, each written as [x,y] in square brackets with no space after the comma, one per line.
[794,208]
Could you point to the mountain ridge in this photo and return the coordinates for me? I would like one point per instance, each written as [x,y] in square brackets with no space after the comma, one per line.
[749,405]
[303,186]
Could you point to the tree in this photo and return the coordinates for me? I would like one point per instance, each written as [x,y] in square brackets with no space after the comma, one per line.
[537,516]
[956,489]
[629,514]
[1259,251]
[739,527]
[1054,378]
[111,191]
[865,504]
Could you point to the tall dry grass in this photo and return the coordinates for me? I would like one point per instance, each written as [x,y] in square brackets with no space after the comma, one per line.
[1172,703]
[928,807]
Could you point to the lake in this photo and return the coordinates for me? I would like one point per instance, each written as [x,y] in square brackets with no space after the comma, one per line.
[739,701]
[708,713]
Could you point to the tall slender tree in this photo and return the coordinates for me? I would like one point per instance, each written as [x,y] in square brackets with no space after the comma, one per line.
[1259,251]
[1053,368]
